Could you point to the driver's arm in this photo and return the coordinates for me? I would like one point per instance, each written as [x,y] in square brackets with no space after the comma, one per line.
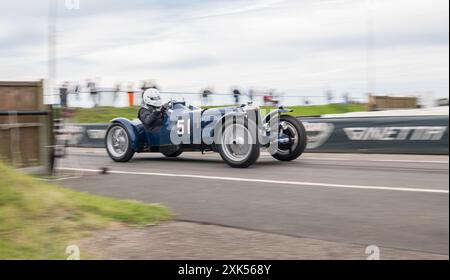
[148,117]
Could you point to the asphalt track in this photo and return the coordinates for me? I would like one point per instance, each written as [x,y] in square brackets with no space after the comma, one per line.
[394,201]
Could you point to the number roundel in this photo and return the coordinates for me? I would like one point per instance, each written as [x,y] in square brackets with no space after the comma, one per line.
[183,126]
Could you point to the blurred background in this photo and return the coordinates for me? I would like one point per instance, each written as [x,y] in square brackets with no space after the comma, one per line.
[302,52]
[369,79]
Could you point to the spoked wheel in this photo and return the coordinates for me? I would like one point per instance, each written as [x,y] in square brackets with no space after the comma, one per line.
[293,131]
[118,143]
[237,145]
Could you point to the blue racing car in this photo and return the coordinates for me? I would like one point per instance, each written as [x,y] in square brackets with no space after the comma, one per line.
[236,133]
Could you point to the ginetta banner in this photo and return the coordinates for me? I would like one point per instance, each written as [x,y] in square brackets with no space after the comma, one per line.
[415,135]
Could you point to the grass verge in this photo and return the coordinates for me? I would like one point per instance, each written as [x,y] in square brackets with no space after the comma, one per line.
[106,114]
[318,110]
[38,220]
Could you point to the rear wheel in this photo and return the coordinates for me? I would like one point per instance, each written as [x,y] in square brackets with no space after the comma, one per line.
[237,145]
[118,143]
[295,131]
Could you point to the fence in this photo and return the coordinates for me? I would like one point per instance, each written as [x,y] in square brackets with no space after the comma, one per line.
[390,102]
[119,98]
[26,129]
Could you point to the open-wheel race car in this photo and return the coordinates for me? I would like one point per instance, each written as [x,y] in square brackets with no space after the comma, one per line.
[236,133]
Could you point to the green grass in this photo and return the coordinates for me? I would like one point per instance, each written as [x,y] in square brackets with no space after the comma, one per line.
[103,114]
[38,220]
[317,110]
[106,114]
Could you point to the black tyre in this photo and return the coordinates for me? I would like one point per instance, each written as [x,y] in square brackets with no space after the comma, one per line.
[292,127]
[238,145]
[118,143]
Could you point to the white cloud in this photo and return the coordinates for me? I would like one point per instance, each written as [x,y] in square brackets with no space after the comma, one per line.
[300,47]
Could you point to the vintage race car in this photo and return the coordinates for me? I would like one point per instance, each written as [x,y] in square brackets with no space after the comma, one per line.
[236,133]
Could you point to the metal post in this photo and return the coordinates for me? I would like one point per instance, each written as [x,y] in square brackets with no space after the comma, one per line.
[371,70]
[51,90]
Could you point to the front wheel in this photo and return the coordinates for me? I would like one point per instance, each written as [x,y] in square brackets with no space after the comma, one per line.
[118,143]
[292,129]
[237,145]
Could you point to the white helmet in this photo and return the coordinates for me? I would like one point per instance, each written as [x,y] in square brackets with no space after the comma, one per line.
[152,97]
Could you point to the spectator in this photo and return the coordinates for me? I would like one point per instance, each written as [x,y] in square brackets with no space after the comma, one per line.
[270,99]
[306,100]
[266,98]
[117,91]
[148,84]
[130,94]
[94,92]
[346,97]
[205,95]
[275,97]
[251,95]
[236,95]
[329,95]
[63,91]
[76,91]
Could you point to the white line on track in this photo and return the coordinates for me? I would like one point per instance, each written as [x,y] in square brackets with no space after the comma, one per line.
[380,160]
[279,182]
[311,158]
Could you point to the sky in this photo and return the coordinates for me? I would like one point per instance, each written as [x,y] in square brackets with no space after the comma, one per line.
[298,47]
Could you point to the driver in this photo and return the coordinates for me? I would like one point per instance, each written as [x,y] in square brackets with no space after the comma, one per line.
[152,110]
